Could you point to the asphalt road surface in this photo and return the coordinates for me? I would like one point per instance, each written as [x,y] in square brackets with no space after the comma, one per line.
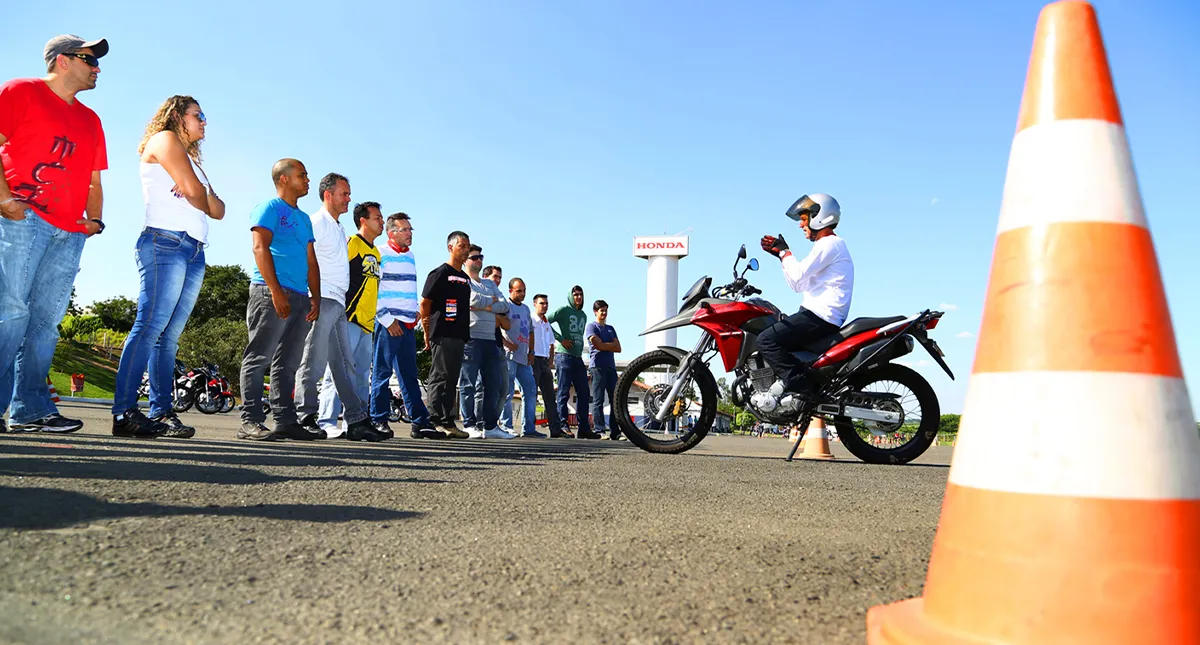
[215,540]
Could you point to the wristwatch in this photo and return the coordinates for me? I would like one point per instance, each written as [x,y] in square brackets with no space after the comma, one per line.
[101,223]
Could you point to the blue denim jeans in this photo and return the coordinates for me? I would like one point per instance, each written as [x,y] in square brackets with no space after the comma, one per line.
[604,381]
[171,267]
[361,346]
[481,357]
[398,355]
[522,375]
[572,372]
[38,264]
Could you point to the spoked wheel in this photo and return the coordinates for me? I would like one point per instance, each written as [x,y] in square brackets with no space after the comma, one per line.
[182,402]
[207,404]
[641,392]
[227,403]
[908,399]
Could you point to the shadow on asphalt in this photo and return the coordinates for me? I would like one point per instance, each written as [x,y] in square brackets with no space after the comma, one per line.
[47,508]
[843,461]
[229,462]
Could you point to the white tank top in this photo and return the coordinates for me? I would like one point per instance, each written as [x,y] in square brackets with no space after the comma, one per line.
[165,209]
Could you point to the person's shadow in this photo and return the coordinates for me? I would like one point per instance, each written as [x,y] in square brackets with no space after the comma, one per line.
[48,508]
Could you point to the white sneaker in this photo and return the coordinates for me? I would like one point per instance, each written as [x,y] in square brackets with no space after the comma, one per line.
[475,433]
[497,433]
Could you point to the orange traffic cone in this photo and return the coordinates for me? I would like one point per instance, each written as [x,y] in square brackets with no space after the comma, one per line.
[1059,524]
[53,392]
[816,441]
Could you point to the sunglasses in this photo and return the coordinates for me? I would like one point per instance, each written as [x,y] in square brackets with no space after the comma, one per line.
[475,257]
[92,61]
[200,116]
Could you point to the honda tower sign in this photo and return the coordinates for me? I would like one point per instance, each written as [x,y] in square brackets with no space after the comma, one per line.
[644,247]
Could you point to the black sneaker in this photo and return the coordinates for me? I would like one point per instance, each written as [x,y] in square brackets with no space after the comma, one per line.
[50,423]
[255,432]
[3,426]
[173,427]
[309,422]
[299,433]
[134,424]
[427,431]
[364,431]
[383,429]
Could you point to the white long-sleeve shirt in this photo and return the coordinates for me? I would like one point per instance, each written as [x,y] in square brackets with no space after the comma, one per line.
[826,278]
[330,247]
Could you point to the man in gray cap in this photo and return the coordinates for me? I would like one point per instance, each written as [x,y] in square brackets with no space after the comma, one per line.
[52,150]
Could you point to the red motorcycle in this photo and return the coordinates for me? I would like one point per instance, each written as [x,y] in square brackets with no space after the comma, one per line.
[666,400]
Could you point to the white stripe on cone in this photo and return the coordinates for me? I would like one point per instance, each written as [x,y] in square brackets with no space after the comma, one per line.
[1070,171]
[1107,435]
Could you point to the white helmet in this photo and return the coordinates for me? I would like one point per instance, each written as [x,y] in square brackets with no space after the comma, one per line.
[822,210]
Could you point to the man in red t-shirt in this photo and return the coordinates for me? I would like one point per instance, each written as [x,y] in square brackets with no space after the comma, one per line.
[51,153]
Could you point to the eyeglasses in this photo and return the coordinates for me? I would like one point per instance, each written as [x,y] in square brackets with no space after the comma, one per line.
[475,257]
[92,61]
[200,116]
[406,230]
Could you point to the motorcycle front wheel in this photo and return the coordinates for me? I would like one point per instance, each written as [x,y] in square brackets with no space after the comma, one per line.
[182,401]
[643,388]
[207,404]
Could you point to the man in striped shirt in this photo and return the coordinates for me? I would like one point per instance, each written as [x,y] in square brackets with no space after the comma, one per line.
[396,331]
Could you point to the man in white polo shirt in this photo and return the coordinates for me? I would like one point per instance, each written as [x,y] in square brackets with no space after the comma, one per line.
[543,359]
[327,343]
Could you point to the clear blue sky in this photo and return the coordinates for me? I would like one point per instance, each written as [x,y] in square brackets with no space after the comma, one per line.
[553,132]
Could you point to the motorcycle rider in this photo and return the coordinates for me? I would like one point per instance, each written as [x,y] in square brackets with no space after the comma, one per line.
[825,277]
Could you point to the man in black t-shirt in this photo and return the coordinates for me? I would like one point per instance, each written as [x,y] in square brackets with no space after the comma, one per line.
[446,318]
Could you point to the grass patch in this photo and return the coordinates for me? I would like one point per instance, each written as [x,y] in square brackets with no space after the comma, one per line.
[100,372]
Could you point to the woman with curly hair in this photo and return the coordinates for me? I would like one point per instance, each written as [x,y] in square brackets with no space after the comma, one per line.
[170,258]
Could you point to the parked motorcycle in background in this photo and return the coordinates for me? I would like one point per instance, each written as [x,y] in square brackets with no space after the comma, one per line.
[666,400]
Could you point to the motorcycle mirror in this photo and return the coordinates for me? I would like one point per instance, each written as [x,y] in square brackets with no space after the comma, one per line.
[742,252]
[754,264]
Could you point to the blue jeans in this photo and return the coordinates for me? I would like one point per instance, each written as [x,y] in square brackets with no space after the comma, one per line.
[522,375]
[171,267]
[571,371]
[38,264]
[481,357]
[361,346]
[396,354]
[604,381]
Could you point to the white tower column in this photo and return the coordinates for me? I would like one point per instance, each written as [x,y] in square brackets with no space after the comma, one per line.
[662,298]
[662,282]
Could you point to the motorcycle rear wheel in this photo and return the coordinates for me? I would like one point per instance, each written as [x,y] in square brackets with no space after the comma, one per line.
[623,417]
[919,435]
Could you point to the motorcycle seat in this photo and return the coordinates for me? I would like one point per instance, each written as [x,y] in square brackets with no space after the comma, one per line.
[856,326]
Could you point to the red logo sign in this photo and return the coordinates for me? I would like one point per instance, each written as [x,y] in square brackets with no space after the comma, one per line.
[660,245]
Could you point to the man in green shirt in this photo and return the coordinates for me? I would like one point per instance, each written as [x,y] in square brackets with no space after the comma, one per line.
[568,361]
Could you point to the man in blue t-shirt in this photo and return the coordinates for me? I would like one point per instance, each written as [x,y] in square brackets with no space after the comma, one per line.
[285,298]
[603,368]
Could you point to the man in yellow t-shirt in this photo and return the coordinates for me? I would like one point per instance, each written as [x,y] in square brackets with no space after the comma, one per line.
[360,311]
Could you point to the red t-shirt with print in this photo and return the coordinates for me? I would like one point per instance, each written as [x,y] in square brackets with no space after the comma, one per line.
[52,148]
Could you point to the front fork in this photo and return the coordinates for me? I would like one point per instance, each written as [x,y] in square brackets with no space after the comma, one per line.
[685,372]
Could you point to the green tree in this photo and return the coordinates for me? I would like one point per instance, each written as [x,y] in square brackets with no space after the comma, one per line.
[84,325]
[219,341]
[744,420]
[73,308]
[116,313]
[949,423]
[224,294]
